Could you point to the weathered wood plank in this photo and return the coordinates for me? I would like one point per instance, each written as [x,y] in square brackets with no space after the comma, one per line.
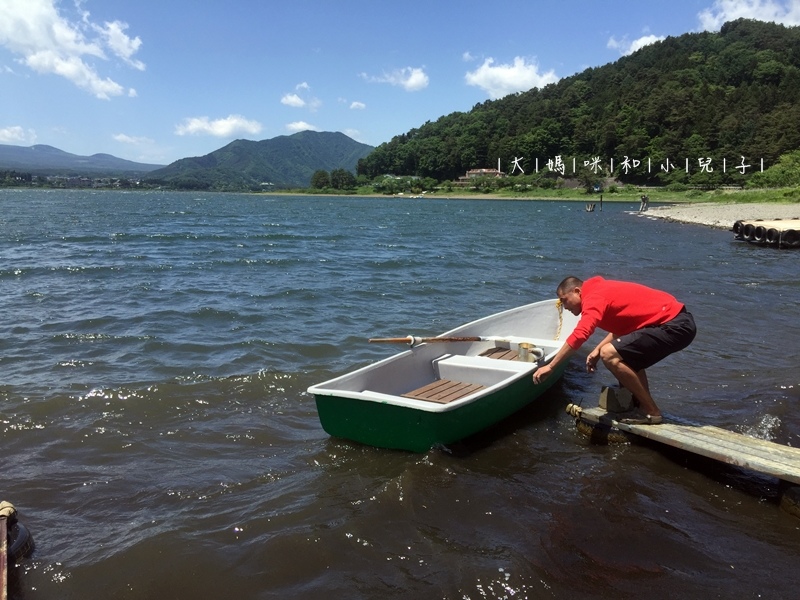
[779,224]
[725,446]
[3,559]
[501,354]
[443,391]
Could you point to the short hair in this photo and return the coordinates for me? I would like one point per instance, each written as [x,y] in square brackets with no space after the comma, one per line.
[569,283]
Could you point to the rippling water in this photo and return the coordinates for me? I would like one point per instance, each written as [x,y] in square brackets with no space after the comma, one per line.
[158,441]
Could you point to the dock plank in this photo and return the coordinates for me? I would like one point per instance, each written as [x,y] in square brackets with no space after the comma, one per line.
[719,444]
[3,559]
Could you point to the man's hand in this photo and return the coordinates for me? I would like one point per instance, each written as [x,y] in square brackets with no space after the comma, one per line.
[591,360]
[542,373]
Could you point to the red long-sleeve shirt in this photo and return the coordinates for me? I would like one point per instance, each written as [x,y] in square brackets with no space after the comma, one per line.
[620,307]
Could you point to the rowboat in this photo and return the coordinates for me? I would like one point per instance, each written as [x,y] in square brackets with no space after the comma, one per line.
[446,388]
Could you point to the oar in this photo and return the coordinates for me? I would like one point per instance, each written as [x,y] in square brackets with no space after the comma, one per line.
[412,340]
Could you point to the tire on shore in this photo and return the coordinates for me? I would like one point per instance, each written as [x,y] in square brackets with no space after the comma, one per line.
[773,236]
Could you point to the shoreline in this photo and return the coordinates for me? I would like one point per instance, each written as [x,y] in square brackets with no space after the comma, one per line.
[723,216]
[717,214]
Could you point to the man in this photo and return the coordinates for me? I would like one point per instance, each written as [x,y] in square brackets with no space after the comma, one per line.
[645,325]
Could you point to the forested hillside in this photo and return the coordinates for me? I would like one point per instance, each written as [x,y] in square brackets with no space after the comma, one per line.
[725,95]
[280,162]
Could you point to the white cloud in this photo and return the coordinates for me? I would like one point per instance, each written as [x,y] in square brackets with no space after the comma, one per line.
[501,80]
[119,43]
[411,79]
[467,56]
[625,47]
[298,101]
[293,100]
[301,126]
[133,140]
[228,127]
[17,135]
[51,43]
[785,12]
[357,105]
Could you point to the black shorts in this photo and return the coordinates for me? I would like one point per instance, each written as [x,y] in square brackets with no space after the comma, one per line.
[644,347]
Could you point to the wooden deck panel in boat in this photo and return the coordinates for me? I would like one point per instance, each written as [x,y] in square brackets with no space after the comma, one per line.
[443,391]
[501,354]
[726,446]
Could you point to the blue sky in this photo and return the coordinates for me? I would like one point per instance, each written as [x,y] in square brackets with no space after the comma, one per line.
[158,80]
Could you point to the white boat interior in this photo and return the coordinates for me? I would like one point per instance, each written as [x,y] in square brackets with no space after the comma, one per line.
[442,376]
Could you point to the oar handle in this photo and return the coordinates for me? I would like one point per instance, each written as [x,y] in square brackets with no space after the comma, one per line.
[403,340]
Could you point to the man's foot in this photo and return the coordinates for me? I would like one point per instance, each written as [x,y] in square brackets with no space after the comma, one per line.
[635,417]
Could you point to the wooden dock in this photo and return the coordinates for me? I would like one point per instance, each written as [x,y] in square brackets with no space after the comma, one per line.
[3,559]
[719,444]
[781,233]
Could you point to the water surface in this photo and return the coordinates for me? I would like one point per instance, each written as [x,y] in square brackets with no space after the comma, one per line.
[158,440]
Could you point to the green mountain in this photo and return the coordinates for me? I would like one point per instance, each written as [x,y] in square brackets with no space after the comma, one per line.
[47,160]
[281,162]
[725,95]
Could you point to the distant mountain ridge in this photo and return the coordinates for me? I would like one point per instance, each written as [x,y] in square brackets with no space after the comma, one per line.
[280,162]
[47,160]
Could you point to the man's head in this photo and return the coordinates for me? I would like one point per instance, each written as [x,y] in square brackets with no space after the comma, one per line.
[569,292]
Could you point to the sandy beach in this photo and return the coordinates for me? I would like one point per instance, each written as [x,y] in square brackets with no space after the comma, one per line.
[724,216]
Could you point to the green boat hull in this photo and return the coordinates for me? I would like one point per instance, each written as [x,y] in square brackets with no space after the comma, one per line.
[387,425]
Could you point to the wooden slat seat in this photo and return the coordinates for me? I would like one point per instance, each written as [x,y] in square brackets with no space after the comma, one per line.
[443,391]
[501,354]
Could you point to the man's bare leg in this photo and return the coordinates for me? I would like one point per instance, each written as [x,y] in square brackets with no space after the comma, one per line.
[635,382]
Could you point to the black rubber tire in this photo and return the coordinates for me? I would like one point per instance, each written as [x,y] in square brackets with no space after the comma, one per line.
[773,236]
[791,237]
[20,542]
[790,500]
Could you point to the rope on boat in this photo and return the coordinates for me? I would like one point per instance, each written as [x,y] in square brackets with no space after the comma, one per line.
[560,309]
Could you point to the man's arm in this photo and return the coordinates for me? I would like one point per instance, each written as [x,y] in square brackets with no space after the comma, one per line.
[543,372]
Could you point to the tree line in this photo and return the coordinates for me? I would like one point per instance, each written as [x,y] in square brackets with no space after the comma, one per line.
[337,179]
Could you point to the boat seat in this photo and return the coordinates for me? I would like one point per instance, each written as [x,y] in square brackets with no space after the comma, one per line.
[443,391]
[500,353]
[509,352]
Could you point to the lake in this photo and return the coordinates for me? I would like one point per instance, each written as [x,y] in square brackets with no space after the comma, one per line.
[159,442]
